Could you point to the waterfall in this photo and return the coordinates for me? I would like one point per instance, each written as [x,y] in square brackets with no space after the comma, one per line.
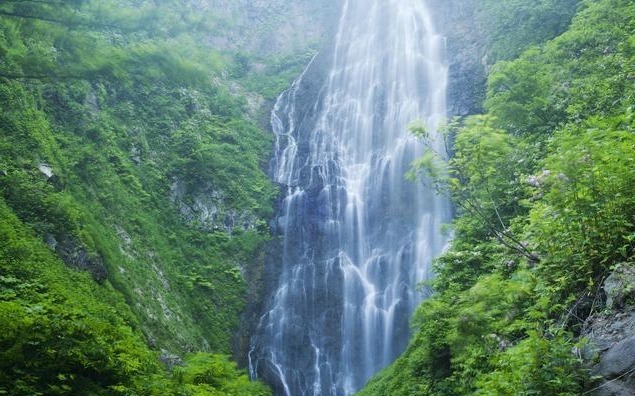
[358,237]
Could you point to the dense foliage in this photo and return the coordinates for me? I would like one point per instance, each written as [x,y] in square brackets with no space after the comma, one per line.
[62,333]
[514,25]
[125,228]
[543,186]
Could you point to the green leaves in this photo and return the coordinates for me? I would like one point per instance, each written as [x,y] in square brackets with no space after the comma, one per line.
[205,374]
[518,94]
[106,40]
[63,333]
[58,335]
[515,25]
[541,364]
[586,214]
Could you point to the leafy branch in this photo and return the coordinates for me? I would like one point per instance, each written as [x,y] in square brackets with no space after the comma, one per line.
[466,180]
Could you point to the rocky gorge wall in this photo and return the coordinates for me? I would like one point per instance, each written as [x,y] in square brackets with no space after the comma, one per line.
[467,45]
[270,27]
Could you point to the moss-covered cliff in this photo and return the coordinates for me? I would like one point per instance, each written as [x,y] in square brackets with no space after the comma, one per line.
[133,191]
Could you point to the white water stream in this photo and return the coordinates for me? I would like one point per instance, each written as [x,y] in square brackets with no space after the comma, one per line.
[358,237]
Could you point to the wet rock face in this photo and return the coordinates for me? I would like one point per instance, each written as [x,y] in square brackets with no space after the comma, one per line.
[466,45]
[301,228]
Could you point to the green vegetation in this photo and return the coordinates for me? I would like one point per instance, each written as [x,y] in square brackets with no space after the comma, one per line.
[62,333]
[132,200]
[514,25]
[543,187]
[278,73]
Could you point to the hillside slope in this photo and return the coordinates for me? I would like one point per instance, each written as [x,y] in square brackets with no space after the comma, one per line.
[133,194]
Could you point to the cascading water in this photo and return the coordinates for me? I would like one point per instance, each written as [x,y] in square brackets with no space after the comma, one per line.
[358,237]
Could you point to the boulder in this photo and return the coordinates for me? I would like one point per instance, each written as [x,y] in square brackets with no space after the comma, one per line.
[170,360]
[614,389]
[618,360]
[610,350]
[620,285]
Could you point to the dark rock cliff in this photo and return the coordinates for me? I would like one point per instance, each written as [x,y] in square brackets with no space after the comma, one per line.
[610,334]
[467,46]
